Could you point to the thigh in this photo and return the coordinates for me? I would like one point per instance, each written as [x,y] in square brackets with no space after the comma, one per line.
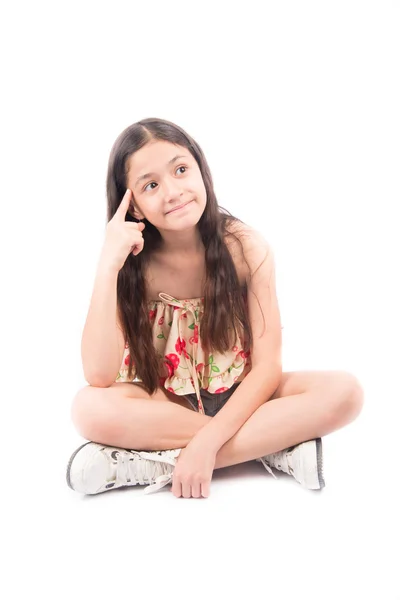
[137,390]
[94,408]
[298,382]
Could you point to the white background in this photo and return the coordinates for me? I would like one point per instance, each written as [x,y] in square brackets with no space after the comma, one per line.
[296,107]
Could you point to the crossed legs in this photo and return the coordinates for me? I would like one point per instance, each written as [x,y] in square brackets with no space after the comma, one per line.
[306,405]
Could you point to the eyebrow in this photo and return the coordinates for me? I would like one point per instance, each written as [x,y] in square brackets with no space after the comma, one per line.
[146,175]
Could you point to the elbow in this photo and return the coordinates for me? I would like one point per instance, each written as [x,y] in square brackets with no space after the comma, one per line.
[99,380]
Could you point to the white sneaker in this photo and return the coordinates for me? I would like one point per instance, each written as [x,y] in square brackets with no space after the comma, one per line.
[303,461]
[94,468]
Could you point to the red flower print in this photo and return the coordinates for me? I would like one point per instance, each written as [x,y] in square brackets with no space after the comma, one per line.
[172,362]
[126,361]
[180,347]
[195,338]
[170,369]
[152,314]
[199,367]
[220,390]
[161,320]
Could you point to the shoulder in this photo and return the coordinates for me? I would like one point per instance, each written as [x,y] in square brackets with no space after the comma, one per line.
[252,245]
[247,235]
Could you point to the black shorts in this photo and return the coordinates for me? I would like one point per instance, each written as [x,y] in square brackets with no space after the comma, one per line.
[212,402]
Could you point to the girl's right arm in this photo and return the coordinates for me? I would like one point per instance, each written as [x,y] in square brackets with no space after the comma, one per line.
[103,342]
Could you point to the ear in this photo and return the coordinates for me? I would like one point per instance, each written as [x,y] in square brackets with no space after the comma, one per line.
[136,214]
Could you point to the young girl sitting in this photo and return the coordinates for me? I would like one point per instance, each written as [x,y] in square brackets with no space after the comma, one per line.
[183,339]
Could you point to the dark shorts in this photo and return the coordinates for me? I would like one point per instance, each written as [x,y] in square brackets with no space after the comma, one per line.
[212,402]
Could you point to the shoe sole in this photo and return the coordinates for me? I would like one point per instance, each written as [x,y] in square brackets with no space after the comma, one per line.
[310,457]
[68,474]
[320,465]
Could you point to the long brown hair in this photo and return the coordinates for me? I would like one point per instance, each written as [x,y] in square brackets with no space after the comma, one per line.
[220,318]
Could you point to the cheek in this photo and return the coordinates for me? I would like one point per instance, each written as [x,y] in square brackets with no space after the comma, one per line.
[201,189]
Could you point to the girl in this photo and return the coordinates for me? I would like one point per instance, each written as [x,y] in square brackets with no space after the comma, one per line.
[182,343]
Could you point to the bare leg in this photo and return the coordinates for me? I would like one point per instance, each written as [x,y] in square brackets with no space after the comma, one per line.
[285,422]
[122,416]
[277,424]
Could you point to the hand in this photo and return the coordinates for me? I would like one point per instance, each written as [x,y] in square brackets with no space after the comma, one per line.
[122,237]
[193,471]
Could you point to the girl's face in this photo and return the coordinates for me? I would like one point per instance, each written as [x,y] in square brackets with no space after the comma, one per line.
[163,176]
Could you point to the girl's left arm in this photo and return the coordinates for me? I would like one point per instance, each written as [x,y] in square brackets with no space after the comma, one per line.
[266,352]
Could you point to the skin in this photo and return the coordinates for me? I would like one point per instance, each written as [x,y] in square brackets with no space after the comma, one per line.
[170,186]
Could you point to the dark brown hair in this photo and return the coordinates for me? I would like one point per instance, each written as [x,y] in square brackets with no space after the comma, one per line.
[220,319]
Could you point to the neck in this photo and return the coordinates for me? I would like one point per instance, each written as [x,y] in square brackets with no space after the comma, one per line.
[181,243]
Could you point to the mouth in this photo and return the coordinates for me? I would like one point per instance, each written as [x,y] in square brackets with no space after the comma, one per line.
[179,207]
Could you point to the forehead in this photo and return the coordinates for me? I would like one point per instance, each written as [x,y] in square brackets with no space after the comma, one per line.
[154,157]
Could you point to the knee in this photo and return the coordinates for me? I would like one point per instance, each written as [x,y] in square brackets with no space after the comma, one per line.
[348,399]
[87,412]
[355,395]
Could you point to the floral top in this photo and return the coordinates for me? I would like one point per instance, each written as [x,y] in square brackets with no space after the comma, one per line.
[184,367]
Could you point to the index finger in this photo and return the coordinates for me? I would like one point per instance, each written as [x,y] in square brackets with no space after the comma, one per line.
[124,205]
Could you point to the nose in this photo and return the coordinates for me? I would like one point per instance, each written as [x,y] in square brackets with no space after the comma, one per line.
[172,188]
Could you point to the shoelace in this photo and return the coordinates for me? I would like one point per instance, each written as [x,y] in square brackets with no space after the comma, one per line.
[266,465]
[146,467]
[279,460]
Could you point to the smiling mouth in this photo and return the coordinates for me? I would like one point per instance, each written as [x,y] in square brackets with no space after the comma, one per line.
[179,207]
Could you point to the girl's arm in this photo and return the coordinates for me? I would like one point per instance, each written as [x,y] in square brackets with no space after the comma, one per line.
[103,343]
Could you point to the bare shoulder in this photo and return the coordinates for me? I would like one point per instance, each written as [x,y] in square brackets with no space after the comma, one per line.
[244,232]
[250,244]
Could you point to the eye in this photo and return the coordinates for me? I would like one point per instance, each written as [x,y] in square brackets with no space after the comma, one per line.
[181,167]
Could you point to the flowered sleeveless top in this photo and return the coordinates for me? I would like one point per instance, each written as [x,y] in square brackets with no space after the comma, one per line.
[184,366]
